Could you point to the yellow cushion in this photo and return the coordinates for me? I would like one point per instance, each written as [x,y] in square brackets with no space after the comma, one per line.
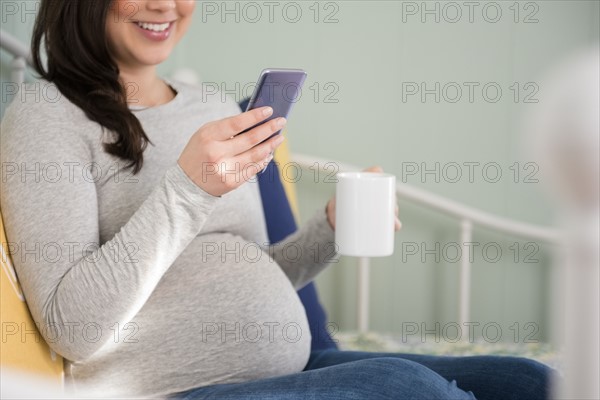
[282,158]
[22,346]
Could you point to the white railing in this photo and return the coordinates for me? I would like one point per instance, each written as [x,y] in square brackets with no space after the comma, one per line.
[21,55]
[468,217]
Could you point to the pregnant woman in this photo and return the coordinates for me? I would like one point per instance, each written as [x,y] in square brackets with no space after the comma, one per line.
[126,181]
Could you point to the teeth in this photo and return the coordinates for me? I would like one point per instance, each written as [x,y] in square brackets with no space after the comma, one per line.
[154,27]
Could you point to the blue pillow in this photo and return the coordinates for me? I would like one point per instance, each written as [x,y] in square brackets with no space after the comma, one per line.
[280,224]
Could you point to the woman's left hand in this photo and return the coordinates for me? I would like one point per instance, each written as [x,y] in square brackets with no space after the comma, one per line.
[330,209]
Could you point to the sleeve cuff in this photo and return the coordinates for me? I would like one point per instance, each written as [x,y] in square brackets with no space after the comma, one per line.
[184,185]
[321,228]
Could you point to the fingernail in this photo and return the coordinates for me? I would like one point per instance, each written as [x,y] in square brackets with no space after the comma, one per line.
[281,122]
[267,111]
[279,139]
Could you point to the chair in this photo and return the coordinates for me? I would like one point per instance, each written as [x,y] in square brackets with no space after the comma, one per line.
[23,348]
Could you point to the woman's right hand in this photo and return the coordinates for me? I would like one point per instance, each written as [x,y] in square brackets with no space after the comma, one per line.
[218,161]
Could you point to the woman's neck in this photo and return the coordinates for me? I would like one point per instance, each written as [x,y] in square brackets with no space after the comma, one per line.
[144,88]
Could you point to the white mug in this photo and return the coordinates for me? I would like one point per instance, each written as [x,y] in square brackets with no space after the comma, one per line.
[365,214]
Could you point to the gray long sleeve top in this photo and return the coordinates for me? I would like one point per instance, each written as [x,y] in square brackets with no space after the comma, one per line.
[146,284]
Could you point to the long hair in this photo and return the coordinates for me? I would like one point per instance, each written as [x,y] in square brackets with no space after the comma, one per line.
[79,63]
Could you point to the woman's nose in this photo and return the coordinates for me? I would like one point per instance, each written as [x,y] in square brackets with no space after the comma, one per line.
[161,5]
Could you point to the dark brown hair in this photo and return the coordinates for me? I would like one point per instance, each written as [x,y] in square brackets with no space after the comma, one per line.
[79,63]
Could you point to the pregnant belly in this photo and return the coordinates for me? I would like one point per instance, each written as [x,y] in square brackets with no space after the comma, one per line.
[225,314]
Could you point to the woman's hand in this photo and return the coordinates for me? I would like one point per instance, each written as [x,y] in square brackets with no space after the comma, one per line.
[218,161]
[330,209]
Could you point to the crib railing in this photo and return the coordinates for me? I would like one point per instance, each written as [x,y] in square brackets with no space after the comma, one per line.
[468,218]
[21,55]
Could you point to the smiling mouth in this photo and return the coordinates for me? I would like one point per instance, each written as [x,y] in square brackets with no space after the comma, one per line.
[149,26]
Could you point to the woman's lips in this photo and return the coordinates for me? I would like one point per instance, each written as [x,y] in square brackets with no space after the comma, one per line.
[155,35]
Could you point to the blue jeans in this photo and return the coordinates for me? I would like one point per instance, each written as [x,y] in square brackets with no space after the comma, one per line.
[346,375]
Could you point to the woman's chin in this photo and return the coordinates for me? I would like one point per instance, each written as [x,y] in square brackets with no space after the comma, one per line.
[153,58]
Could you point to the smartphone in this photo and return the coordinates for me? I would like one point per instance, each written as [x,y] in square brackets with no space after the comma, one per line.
[278,88]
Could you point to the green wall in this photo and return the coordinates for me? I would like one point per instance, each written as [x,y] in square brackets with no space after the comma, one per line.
[361,57]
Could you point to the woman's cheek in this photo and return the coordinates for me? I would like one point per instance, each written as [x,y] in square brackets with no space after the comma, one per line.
[185,10]
[187,6]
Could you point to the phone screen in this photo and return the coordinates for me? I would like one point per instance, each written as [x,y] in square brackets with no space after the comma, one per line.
[279,89]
